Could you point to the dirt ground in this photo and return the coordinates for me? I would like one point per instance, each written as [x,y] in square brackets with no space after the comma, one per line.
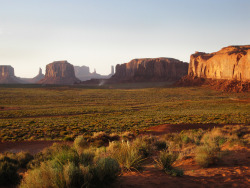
[232,172]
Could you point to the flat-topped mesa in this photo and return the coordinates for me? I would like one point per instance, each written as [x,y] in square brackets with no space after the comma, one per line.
[59,72]
[231,63]
[7,75]
[151,69]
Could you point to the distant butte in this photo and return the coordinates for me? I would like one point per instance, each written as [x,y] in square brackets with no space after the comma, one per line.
[60,72]
[7,75]
[150,69]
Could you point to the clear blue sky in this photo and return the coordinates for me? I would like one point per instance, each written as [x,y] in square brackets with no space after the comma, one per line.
[101,33]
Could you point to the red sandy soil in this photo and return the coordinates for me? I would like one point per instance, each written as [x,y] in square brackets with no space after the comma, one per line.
[30,146]
[172,128]
[233,171]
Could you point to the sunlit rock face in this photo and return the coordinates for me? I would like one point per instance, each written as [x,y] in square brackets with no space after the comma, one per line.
[7,75]
[59,72]
[151,69]
[231,63]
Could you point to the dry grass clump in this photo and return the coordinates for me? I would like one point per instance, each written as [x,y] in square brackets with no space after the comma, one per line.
[128,155]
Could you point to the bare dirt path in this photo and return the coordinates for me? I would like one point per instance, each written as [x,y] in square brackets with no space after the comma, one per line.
[29,146]
[172,128]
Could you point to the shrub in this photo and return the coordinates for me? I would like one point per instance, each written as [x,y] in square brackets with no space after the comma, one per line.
[144,145]
[24,158]
[8,172]
[73,175]
[48,154]
[127,136]
[80,143]
[165,161]
[105,171]
[46,175]
[207,155]
[160,145]
[86,158]
[127,155]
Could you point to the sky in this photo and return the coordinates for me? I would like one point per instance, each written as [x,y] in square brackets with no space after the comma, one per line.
[101,33]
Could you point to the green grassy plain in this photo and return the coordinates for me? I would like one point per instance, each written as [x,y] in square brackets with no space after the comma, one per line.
[31,112]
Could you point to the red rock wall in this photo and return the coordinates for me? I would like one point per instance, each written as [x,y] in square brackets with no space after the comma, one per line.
[59,72]
[157,69]
[6,71]
[229,63]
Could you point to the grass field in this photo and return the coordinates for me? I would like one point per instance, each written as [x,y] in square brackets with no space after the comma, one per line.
[36,112]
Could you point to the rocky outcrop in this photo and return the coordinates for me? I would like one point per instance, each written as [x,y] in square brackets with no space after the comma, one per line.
[84,74]
[59,72]
[230,63]
[7,75]
[151,69]
[39,77]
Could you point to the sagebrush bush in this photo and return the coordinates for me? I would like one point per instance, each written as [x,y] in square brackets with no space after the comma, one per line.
[8,172]
[86,157]
[24,158]
[145,145]
[160,145]
[80,143]
[165,161]
[68,168]
[208,154]
[105,171]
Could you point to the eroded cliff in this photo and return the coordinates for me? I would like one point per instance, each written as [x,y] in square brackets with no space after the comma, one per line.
[151,69]
[231,63]
[59,72]
[7,75]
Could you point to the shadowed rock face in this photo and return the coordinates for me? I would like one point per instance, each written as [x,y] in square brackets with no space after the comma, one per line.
[59,72]
[231,63]
[7,75]
[155,69]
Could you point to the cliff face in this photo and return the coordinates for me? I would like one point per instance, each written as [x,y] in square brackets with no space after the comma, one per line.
[7,75]
[231,63]
[155,69]
[59,72]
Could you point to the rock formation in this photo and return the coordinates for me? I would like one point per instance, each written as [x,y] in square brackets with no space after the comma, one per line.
[59,72]
[7,75]
[231,63]
[84,74]
[39,77]
[151,69]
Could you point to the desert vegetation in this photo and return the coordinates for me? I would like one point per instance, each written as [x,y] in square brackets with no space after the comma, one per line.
[63,113]
[83,163]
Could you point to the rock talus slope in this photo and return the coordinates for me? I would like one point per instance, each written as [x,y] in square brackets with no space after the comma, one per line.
[231,63]
[151,69]
[59,72]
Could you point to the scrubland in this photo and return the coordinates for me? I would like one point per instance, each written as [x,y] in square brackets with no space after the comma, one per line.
[108,137]
[62,113]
